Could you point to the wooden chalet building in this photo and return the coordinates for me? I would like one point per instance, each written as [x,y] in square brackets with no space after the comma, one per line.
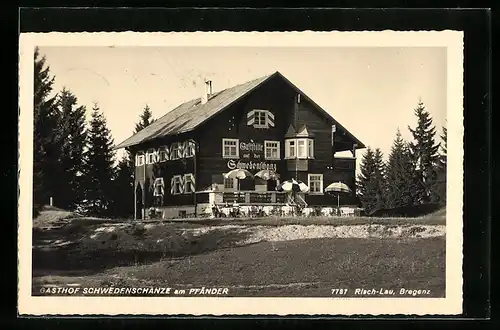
[266,123]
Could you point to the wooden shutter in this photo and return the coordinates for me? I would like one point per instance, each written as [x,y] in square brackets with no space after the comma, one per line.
[251,118]
[270,118]
[172,185]
[181,184]
[192,148]
[167,152]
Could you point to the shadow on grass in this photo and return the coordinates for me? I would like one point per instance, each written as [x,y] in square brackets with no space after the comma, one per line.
[68,254]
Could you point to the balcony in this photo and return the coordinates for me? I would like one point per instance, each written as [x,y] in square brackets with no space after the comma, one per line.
[254,197]
[344,163]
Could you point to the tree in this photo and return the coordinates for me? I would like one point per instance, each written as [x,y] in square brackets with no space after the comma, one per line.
[45,143]
[99,171]
[146,119]
[440,186]
[425,155]
[73,139]
[124,182]
[371,181]
[124,188]
[400,175]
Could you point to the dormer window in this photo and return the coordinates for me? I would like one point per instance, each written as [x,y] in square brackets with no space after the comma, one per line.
[259,118]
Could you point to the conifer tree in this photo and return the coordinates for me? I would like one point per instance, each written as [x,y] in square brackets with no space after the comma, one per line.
[125,172]
[400,175]
[124,188]
[371,181]
[99,171]
[72,131]
[440,186]
[45,143]
[425,155]
[146,119]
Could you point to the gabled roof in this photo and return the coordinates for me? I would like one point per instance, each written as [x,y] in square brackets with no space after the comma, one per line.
[189,115]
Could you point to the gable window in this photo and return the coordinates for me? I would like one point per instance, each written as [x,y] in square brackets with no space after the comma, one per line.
[260,118]
[159,187]
[163,154]
[189,183]
[272,149]
[230,148]
[151,156]
[315,183]
[139,159]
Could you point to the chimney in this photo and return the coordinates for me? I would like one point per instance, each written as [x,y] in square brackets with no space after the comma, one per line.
[207,91]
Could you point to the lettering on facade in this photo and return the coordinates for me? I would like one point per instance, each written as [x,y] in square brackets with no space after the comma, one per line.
[250,165]
[251,146]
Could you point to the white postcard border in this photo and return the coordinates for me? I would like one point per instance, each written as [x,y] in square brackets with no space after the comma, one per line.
[451,305]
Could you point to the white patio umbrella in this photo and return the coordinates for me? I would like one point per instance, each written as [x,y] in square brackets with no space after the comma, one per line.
[293,185]
[267,175]
[338,188]
[239,174]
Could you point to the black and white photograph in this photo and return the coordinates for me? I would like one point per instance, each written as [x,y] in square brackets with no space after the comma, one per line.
[224,173]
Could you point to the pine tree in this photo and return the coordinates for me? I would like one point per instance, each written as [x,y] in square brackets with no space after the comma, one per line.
[146,119]
[371,181]
[425,155]
[73,138]
[440,186]
[45,143]
[124,188]
[99,171]
[400,175]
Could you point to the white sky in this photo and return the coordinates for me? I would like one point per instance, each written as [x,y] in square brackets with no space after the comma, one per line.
[370,91]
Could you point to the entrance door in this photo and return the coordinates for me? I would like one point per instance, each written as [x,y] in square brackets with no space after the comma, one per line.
[138,202]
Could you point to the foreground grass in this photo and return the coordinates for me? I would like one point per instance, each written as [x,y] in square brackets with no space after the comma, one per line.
[309,267]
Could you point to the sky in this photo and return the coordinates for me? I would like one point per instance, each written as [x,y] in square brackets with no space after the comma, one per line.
[371,91]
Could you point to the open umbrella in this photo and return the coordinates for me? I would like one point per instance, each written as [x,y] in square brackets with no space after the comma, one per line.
[293,185]
[267,175]
[239,174]
[337,188]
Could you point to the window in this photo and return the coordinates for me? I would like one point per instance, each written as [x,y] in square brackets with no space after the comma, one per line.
[230,148]
[189,183]
[260,118]
[315,183]
[176,185]
[139,159]
[159,187]
[229,184]
[290,149]
[163,154]
[174,151]
[190,149]
[272,149]
[310,148]
[151,156]
[299,148]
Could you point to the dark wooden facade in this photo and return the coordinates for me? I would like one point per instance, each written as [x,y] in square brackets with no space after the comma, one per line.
[290,109]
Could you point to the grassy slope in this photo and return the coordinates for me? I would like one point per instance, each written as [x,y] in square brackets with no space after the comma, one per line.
[292,268]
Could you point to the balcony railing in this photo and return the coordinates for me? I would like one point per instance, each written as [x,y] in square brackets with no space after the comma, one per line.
[254,197]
